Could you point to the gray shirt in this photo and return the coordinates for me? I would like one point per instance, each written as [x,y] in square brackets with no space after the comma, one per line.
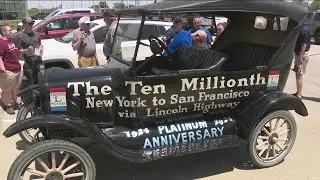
[107,45]
[23,40]
[88,46]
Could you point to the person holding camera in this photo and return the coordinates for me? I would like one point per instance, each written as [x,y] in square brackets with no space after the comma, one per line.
[84,43]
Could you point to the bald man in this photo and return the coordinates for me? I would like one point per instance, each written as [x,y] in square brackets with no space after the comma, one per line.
[197,25]
[187,39]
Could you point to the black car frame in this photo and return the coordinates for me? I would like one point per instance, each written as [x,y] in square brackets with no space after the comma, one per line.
[190,101]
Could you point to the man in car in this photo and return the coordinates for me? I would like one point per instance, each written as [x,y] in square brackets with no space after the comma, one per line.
[187,39]
[197,25]
[301,50]
[221,27]
[30,44]
[111,22]
[174,30]
[84,43]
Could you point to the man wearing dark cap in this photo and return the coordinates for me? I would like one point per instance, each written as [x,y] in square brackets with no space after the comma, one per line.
[30,44]
[174,30]
[111,22]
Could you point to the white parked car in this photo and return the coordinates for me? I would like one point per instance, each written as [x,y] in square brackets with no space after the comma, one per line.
[59,52]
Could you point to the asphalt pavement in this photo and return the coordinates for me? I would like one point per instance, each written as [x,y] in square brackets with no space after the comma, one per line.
[302,163]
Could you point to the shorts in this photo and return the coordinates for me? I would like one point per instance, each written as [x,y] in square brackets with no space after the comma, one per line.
[10,80]
[300,67]
[87,61]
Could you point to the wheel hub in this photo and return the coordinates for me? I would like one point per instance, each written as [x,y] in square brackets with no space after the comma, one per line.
[54,176]
[273,139]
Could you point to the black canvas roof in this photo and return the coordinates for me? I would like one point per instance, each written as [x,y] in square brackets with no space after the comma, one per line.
[281,7]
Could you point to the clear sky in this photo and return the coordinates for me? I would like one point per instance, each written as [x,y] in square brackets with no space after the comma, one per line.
[78,3]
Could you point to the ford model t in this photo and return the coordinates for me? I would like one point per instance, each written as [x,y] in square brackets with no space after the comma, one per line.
[144,105]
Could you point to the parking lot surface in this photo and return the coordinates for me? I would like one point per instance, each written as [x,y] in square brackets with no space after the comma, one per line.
[302,163]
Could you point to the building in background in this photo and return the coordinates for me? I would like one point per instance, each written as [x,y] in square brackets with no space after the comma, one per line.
[13,9]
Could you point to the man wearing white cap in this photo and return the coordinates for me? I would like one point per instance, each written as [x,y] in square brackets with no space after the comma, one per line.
[85,44]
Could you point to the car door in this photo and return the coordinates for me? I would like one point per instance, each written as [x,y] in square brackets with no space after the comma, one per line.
[57,28]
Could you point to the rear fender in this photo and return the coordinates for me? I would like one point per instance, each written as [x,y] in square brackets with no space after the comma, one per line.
[62,121]
[256,110]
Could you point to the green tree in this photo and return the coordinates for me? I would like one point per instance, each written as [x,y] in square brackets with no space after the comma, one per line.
[34,11]
[103,4]
[315,5]
[95,7]
[119,5]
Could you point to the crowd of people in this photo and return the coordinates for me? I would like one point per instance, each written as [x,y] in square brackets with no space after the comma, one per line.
[27,46]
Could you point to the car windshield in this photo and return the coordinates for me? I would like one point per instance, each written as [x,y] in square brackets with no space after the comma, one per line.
[40,23]
[127,35]
[68,38]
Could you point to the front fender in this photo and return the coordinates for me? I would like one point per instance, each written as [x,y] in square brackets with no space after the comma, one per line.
[29,93]
[81,126]
[256,110]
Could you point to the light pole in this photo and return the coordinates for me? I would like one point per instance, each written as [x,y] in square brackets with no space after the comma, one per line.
[26,7]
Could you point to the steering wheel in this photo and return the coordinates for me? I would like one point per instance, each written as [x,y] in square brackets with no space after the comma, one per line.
[157,46]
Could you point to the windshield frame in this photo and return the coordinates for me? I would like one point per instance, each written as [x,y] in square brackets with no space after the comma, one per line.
[138,43]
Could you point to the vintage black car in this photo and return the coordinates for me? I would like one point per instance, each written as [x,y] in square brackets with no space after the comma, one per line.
[190,101]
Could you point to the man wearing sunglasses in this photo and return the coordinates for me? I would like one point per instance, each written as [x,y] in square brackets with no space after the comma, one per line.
[29,43]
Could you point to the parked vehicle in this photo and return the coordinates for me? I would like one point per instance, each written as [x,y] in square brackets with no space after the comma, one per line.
[191,101]
[58,26]
[59,12]
[313,22]
[43,15]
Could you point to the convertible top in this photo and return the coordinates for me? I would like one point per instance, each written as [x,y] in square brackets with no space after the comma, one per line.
[282,7]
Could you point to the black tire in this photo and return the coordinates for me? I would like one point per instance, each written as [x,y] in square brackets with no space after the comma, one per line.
[22,113]
[54,69]
[36,150]
[254,155]
[317,37]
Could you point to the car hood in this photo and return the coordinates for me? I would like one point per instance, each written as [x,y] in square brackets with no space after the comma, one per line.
[62,77]
[55,49]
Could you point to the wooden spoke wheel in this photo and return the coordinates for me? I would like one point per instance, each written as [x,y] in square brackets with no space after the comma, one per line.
[272,139]
[53,160]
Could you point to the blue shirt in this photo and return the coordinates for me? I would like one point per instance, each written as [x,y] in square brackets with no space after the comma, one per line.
[303,38]
[182,39]
[170,34]
[209,37]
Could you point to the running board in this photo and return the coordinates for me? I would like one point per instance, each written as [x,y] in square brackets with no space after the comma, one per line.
[168,140]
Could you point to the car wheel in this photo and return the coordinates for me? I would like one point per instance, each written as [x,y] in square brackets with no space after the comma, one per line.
[53,159]
[317,37]
[30,135]
[272,139]
[54,69]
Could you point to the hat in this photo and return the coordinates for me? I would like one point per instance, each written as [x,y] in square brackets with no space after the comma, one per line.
[107,13]
[84,20]
[27,20]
